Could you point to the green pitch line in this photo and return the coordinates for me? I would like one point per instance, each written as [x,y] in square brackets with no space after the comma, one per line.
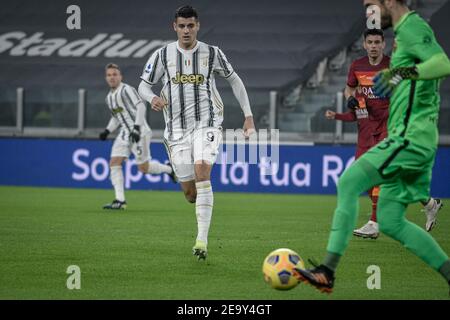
[144,252]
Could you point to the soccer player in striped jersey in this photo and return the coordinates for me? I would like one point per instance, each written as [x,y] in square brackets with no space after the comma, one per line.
[134,137]
[193,111]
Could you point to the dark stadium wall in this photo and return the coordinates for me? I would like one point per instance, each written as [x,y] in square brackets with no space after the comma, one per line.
[270,44]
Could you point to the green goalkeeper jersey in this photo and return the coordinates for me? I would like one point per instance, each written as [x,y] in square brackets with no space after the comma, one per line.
[414,104]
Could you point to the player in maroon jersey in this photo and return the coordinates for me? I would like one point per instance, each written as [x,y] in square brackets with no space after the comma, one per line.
[371,113]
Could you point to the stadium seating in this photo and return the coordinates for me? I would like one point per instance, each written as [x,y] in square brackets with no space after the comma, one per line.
[272,45]
[313,102]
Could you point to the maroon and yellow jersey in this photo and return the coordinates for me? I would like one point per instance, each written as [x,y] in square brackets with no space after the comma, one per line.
[373,111]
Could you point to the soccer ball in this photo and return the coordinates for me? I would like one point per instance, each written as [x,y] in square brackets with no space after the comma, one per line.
[278,267]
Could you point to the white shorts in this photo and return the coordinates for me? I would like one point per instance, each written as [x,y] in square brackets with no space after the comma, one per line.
[201,144]
[123,147]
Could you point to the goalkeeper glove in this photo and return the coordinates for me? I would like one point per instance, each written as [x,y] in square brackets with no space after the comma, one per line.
[104,135]
[352,103]
[387,80]
[135,135]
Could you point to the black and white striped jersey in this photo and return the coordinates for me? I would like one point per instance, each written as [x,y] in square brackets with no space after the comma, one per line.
[188,86]
[122,103]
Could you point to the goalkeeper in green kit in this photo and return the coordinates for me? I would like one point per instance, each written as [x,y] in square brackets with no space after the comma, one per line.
[402,163]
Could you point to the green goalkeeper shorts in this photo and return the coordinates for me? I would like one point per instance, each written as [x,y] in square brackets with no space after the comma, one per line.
[405,169]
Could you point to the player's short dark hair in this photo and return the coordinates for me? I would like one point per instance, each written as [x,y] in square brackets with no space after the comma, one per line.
[112,66]
[373,32]
[186,12]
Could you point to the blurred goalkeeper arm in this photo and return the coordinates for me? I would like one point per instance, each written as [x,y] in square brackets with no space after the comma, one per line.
[436,67]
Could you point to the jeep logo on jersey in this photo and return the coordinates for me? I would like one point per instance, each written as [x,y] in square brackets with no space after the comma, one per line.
[117,110]
[192,78]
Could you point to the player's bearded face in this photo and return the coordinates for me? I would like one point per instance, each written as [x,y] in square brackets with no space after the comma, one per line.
[113,77]
[386,18]
[186,29]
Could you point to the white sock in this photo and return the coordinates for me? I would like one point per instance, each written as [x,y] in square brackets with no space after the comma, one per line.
[203,209]
[117,182]
[154,167]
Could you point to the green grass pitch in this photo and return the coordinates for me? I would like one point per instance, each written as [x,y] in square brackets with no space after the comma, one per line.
[144,252]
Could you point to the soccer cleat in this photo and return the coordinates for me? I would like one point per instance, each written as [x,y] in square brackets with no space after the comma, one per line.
[200,250]
[319,277]
[369,230]
[116,205]
[432,214]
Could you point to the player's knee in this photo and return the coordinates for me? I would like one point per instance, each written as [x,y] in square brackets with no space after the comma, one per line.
[144,168]
[115,162]
[202,177]
[385,227]
[390,217]
[345,184]
[191,195]
[350,181]
[202,171]
[390,227]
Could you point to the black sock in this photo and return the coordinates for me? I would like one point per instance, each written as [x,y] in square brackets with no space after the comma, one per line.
[445,270]
[331,261]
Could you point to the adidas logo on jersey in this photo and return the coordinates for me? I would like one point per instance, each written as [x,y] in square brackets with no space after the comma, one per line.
[191,78]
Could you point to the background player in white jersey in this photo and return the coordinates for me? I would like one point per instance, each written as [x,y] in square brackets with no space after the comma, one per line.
[134,137]
[193,111]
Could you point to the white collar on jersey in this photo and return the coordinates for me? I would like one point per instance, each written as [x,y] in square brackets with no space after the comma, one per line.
[118,87]
[190,50]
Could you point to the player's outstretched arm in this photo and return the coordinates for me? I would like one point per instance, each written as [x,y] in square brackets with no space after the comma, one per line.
[140,114]
[352,104]
[146,93]
[151,74]
[349,91]
[249,126]
[113,124]
[348,116]
[241,95]
[330,115]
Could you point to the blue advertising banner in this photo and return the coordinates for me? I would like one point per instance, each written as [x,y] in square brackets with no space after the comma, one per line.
[84,164]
